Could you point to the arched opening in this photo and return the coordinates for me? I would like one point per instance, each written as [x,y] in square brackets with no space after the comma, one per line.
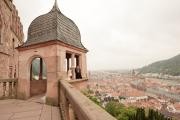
[38,77]
[73,67]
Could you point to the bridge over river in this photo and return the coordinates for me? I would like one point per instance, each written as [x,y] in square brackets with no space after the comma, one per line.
[158,91]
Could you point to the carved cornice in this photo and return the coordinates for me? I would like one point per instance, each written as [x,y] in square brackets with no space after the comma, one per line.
[48,43]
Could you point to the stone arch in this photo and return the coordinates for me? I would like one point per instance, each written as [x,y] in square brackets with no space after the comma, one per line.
[30,59]
[38,85]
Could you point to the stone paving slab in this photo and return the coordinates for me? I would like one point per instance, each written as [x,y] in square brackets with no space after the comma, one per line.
[27,110]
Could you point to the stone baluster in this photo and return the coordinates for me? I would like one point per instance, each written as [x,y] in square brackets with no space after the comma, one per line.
[15,89]
[10,89]
[4,89]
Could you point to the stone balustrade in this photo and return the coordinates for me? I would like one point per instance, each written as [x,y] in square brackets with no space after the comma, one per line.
[75,106]
[8,88]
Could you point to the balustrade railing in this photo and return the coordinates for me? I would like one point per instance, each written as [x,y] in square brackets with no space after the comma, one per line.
[8,88]
[75,106]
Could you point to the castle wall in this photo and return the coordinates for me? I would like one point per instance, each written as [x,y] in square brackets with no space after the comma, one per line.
[11,36]
[4,62]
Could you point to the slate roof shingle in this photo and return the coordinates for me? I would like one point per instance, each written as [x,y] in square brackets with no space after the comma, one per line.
[54,26]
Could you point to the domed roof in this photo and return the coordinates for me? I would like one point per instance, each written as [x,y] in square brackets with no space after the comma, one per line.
[54,26]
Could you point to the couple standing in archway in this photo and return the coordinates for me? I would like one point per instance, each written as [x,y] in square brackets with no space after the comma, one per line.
[78,72]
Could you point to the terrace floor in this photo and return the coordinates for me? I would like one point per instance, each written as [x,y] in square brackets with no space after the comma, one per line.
[32,109]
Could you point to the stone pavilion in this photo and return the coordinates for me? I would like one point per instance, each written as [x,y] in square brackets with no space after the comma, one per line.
[56,41]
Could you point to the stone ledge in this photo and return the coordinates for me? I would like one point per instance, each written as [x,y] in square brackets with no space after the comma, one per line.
[84,108]
[77,80]
[9,80]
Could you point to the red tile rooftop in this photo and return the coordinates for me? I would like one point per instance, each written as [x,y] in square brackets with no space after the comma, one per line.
[177,106]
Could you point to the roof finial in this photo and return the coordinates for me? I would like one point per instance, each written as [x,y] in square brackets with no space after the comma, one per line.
[55,7]
[56,3]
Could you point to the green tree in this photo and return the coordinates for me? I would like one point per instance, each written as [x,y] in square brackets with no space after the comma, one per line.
[119,111]
[112,108]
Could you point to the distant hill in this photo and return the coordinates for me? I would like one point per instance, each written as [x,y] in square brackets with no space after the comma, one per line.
[170,66]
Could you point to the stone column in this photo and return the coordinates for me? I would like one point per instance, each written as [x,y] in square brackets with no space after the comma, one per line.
[83,64]
[52,80]
[41,69]
[77,61]
[31,75]
[73,66]
[61,68]
[67,63]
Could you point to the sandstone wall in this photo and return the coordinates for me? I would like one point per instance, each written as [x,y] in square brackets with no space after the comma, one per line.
[4,61]
[11,36]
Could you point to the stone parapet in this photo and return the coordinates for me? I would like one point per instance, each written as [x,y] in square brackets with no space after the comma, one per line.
[83,108]
[8,88]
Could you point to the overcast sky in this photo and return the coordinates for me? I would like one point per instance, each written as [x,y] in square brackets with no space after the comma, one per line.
[120,34]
